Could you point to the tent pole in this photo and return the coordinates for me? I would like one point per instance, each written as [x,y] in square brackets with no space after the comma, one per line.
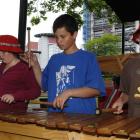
[123,38]
[22,23]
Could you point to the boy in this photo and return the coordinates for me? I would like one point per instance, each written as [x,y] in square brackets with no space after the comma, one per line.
[73,76]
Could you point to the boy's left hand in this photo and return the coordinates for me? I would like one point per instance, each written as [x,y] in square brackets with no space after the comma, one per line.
[61,99]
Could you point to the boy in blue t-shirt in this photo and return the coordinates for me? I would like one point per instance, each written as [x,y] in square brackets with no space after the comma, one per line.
[73,76]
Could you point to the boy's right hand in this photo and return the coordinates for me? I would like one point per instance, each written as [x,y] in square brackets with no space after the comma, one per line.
[31,56]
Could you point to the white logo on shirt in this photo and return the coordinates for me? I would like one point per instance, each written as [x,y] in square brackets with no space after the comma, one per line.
[64,78]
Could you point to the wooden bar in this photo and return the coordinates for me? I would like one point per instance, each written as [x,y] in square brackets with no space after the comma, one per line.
[102,123]
[135,135]
[125,130]
[107,130]
[15,131]
[41,125]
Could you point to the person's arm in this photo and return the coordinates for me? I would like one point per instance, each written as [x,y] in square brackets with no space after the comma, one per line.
[124,98]
[36,68]
[118,104]
[84,92]
[123,87]
[37,73]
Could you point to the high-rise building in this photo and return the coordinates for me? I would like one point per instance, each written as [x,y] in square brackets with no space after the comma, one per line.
[95,27]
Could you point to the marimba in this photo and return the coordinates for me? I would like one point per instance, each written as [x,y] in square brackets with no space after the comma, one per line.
[41,125]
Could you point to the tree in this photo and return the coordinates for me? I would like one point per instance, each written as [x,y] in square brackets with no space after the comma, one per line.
[102,10]
[39,9]
[106,45]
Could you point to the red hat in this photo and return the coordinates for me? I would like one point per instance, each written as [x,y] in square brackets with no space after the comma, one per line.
[9,43]
[136,36]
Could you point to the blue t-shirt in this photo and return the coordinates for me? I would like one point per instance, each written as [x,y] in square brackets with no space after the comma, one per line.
[68,71]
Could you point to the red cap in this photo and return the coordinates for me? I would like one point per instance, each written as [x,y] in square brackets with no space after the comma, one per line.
[136,36]
[9,43]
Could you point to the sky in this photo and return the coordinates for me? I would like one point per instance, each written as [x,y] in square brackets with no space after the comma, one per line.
[9,15]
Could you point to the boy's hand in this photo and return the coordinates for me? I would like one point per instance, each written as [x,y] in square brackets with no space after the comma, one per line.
[29,55]
[61,99]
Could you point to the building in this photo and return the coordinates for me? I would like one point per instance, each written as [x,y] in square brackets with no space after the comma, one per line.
[95,27]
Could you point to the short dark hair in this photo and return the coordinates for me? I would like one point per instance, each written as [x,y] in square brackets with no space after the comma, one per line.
[67,21]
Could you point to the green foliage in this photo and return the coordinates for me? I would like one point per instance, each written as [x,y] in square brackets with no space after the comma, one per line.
[106,45]
[38,9]
[35,20]
[102,10]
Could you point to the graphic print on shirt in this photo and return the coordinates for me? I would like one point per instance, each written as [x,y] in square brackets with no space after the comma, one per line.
[65,78]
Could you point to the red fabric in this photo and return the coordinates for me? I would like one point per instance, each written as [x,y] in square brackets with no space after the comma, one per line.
[19,81]
[7,42]
[11,49]
[136,36]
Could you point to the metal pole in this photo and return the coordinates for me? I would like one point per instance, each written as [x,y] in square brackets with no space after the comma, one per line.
[22,23]
[123,38]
